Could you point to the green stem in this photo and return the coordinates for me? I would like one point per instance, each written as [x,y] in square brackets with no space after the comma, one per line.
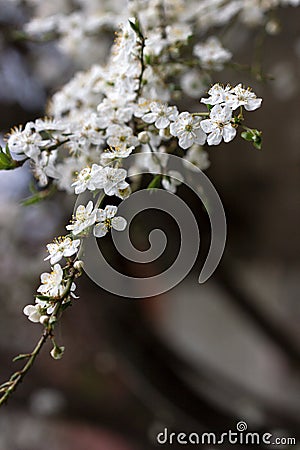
[203,114]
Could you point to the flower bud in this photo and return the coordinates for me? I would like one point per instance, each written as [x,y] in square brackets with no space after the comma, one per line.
[143,137]
[78,265]
[44,320]
[57,352]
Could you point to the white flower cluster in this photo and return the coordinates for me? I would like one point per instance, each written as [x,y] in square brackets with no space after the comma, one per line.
[58,285]
[127,105]
[221,124]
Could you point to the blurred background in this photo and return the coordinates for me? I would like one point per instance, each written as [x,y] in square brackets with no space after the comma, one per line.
[198,358]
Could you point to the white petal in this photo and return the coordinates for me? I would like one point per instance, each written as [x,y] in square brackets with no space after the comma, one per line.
[149,118]
[253,104]
[186,141]
[100,215]
[45,277]
[100,230]
[80,188]
[55,258]
[162,122]
[29,309]
[227,113]
[110,211]
[214,138]
[89,207]
[216,112]
[207,125]
[228,133]
[119,223]
[200,136]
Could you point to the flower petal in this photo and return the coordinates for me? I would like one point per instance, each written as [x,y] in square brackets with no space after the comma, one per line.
[119,223]
[100,230]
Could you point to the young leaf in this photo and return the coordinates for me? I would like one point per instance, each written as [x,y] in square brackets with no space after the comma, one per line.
[155,183]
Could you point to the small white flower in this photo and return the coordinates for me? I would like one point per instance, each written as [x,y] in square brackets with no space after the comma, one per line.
[243,97]
[114,153]
[107,219]
[178,32]
[26,142]
[198,157]
[142,107]
[62,246]
[193,83]
[113,180]
[43,167]
[211,54]
[161,115]
[121,137]
[188,130]
[219,125]
[218,94]
[52,282]
[88,178]
[33,312]
[84,218]
[232,97]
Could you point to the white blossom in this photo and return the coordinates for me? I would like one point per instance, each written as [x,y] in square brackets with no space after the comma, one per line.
[88,178]
[161,115]
[26,142]
[232,97]
[113,153]
[188,130]
[121,137]
[33,312]
[198,157]
[211,54]
[52,282]
[243,97]
[113,181]
[218,94]
[178,32]
[107,219]
[62,247]
[84,218]
[44,166]
[219,125]
[193,83]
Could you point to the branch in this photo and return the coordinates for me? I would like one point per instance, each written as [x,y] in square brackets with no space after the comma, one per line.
[10,386]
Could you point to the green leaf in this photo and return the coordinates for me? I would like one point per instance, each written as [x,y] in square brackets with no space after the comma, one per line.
[39,195]
[247,135]
[42,297]
[31,200]
[136,28]
[6,160]
[148,60]
[254,136]
[155,183]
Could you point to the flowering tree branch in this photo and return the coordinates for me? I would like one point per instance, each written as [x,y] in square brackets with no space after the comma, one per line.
[126,106]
